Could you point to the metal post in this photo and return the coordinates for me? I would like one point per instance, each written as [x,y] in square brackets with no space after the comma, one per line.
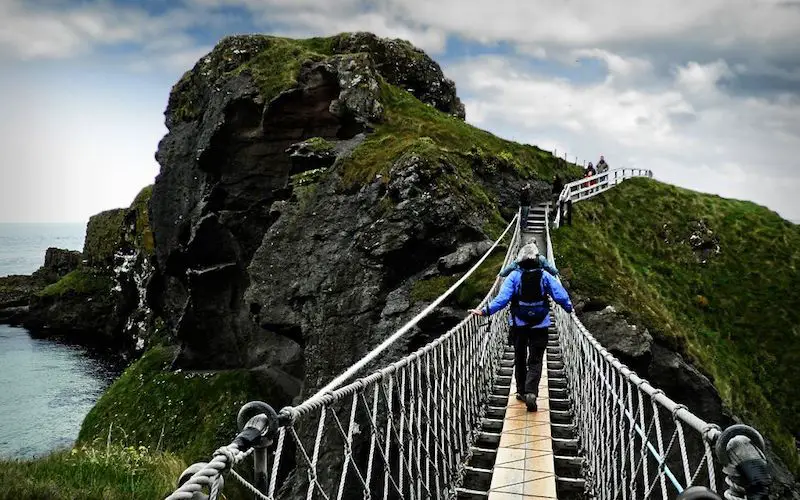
[250,412]
[739,450]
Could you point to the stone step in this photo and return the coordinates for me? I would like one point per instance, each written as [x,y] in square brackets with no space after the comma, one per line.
[483,458]
[498,412]
[560,404]
[488,440]
[491,425]
[561,416]
[465,494]
[566,447]
[570,489]
[501,390]
[567,466]
[477,479]
[562,431]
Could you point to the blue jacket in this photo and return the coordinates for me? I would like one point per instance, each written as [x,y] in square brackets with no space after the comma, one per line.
[550,286]
[543,263]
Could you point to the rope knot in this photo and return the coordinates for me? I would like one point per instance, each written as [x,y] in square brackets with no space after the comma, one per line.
[677,409]
[230,458]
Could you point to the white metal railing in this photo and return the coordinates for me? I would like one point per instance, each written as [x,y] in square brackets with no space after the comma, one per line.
[402,432]
[588,187]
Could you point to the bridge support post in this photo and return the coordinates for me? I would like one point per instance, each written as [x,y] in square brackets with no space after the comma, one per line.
[739,450]
[248,415]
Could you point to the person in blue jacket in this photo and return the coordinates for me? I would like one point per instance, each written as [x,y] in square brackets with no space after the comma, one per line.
[527,289]
[541,259]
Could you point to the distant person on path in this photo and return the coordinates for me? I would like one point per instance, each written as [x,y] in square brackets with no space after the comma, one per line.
[590,171]
[525,204]
[541,261]
[602,166]
[527,289]
[558,186]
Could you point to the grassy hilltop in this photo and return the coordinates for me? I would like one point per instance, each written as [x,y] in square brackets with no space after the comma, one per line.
[737,315]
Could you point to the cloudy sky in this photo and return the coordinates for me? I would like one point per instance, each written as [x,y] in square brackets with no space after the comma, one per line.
[706,93]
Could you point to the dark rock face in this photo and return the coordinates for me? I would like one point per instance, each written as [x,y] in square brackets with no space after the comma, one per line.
[58,263]
[230,181]
[16,291]
[407,67]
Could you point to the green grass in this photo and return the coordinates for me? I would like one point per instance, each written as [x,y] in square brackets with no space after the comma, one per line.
[196,412]
[83,281]
[113,473]
[407,120]
[737,316]
[470,293]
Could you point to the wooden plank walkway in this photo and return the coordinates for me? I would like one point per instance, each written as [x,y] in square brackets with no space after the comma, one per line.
[524,466]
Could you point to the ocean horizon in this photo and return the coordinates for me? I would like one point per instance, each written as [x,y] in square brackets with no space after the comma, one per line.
[23,244]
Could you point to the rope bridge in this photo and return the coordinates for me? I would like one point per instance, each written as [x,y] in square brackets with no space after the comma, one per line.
[406,430]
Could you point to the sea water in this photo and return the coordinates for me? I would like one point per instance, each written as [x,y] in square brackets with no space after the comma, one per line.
[46,386]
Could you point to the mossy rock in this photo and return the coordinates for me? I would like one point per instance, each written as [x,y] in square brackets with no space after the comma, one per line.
[143,235]
[80,282]
[104,235]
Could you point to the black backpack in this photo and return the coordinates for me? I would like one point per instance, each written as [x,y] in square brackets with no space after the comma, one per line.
[530,304]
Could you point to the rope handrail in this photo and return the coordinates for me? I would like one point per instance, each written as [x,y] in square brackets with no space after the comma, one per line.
[310,402]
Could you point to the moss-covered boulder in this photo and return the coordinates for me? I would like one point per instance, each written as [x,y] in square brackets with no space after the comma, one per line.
[103,237]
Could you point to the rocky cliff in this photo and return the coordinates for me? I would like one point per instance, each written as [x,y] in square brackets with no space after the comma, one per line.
[96,296]
[699,295]
[304,186]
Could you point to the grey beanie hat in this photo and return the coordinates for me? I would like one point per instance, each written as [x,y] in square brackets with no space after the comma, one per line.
[528,252]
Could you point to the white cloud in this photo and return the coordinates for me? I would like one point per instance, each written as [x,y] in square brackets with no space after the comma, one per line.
[702,79]
[737,147]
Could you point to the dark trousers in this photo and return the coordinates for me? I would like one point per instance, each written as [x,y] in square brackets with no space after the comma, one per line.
[530,345]
[524,216]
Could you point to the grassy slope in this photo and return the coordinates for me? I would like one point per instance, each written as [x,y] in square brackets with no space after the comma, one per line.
[737,316]
[112,473]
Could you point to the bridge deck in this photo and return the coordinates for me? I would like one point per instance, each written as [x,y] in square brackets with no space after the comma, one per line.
[524,466]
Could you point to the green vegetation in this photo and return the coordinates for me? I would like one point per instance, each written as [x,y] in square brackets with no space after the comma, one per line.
[83,281]
[108,473]
[319,145]
[143,234]
[408,120]
[149,403]
[737,315]
[470,293]
[103,236]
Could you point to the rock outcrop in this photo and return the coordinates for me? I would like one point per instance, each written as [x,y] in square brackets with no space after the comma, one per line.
[96,296]
[17,291]
[268,252]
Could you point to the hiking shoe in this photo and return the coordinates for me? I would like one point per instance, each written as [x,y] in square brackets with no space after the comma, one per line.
[530,402]
[520,396]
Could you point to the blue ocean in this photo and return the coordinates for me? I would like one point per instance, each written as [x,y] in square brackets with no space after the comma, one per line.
[48,386]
